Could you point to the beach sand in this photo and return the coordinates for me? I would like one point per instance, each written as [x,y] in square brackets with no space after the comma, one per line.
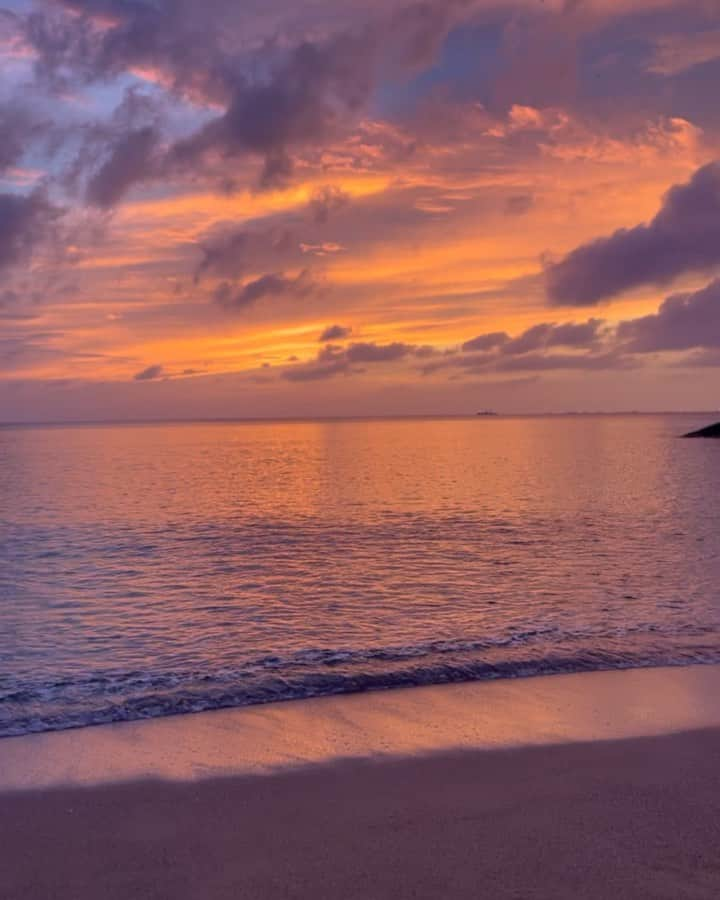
[561,817]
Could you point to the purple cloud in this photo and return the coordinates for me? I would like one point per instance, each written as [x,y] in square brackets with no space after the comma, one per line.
[683,237]
[334,360]
[334,333]
[316,371]
[545,334]
[683,322]
[129,161]
[25,220]
[372,353]
[519,204]
[326,200]
[548,334]
[485,341]
[231,251]
[299,103]
[536,362]
[279,93]
[177,37]
[19,129]
[149,374]
[271,285]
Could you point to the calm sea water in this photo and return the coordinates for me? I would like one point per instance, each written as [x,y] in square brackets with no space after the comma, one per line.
[153,569]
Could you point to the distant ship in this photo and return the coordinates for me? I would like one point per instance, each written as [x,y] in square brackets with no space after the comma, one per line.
[486,412]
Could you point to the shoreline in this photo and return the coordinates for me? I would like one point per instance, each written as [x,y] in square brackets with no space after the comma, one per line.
[400,722]
[595,786]
[343,685]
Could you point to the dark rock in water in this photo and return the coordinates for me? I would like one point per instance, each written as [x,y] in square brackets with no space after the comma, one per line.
[711,431]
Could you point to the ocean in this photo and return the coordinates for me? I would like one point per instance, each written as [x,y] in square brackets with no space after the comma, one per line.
[154,569]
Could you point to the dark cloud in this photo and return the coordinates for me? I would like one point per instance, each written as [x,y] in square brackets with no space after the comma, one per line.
[27,348]
[574,334]
[543,335]
[100,39]
[683,237]
[19,130]
[683,322]
[373,353]
[701,359]
[299,103]
[277,98]
[129,161]
[277,169]
[334,360]
[689,321]
[325,200]
[316,371]
[485,341]
[532,339]
[419,30]
[230,251]
[469,360]
[8,297]
[334,333]
[185,45]
[539,56]
[533,349]
[274,284]
[519,204]
[330,361]
[537,362]
[548,334]
[195,45]
[25,221]
[149,374]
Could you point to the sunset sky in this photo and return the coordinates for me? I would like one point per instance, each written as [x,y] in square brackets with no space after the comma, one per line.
[306,207]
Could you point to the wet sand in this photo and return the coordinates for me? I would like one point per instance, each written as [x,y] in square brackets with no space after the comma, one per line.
[625,817]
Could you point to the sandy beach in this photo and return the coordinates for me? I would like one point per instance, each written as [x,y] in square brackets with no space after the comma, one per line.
[531,812]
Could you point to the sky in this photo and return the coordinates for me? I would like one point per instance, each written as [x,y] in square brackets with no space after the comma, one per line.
[313,207]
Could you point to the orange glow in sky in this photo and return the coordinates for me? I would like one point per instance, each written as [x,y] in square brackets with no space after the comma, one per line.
[299,207]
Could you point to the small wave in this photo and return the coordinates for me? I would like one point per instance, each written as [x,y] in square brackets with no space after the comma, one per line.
[134,696]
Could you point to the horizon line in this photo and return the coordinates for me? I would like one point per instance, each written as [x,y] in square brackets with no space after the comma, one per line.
[340,418]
